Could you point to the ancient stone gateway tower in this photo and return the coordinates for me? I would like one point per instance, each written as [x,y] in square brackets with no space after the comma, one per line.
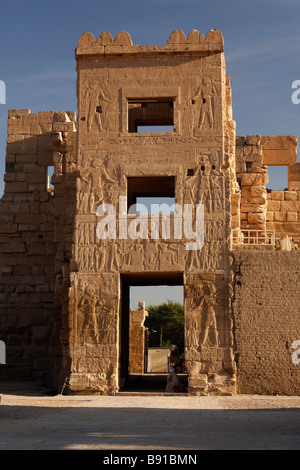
[81,244]
[122,88]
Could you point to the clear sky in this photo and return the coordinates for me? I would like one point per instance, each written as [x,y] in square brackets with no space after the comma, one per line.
[262,53]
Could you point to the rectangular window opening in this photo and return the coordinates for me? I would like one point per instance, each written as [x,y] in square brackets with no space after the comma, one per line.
[50,172]
[150,115]
[278,178]
[155,193]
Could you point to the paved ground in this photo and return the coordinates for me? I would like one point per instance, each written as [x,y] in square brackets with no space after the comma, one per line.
[31,420]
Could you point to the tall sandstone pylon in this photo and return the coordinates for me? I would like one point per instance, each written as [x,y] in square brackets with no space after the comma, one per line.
[152,122]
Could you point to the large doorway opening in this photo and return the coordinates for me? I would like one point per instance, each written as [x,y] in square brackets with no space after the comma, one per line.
[150,344]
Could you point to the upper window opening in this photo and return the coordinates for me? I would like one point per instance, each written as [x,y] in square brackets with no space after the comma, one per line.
[278,178]
[151,115]
[50,171]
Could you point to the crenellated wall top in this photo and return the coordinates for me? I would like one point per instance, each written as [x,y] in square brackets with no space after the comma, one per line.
[177,43]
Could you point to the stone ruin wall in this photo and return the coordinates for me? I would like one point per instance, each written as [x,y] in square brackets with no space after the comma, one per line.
[36,233]
[266,321]
[137,340]
[61,288]
[261,208]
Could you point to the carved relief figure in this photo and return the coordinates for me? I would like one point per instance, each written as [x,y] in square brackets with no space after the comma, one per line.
[193,259]
[204,256]
[191,187]
[97,101]
[216,191]
[104,180]
[100,256]
[205,190]
[192,328]
[204,94]
[87,322]
[91,194]
[208,301]
[113,261]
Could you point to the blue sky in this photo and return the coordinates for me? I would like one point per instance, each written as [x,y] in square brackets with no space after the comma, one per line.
[262,52]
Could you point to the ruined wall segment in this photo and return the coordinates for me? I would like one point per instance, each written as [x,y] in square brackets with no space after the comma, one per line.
[33,232]
[266,321]
[137,340]
[262,208]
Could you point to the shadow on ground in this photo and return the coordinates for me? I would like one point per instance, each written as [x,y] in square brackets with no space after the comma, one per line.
[84,426]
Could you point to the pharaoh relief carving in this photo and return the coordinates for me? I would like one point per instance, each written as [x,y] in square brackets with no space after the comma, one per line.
[204,187]
[97,102]
[95,186]
[86,314]
[201,319]
[96,317]
[202,102]
[207,304]
[190,187]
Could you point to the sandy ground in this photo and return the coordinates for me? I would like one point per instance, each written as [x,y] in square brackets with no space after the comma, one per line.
[31,419]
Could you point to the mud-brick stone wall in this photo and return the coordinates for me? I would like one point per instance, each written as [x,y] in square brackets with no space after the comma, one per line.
[35,238]
[266,309]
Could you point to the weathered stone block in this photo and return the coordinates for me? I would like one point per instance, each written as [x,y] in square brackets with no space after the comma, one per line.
[279,216]
[291,206]
[254,179]
[256,218]
[290,195]
[258,191]
[248,207]
[292,216]
[273,205]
